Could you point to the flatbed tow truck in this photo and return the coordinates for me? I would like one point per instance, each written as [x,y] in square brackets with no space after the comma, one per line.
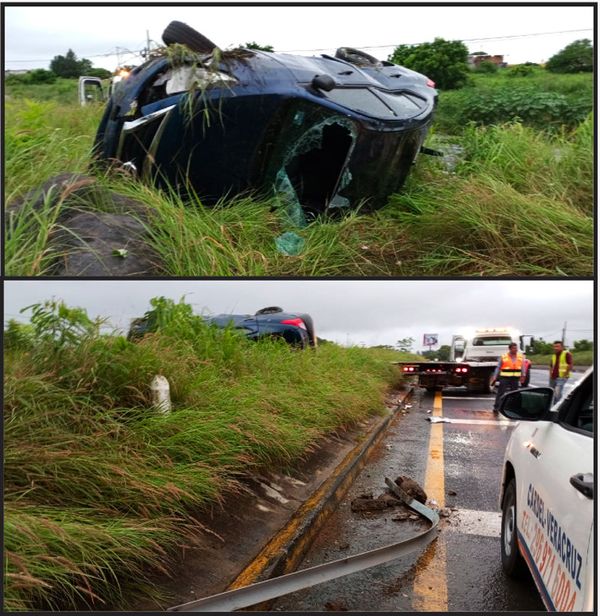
[473,359]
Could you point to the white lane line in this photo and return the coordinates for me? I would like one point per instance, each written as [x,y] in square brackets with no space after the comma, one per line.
[481,422]
[471,522]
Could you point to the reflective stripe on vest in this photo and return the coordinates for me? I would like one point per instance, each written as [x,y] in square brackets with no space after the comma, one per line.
[563,366]
[511,366]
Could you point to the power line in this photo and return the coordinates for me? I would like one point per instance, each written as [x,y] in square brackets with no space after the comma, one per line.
[490,38]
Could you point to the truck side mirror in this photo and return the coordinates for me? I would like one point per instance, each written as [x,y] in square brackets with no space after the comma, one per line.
[527,404]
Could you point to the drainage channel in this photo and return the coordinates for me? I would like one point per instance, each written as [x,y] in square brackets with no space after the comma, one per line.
[277,587]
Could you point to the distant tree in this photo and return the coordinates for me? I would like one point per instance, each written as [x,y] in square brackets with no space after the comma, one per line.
[487,66]
[405,344]
[444,352]
[583,345]
[445,62]
[69,66]
[578,57]
[254,45]
[441,354]
[539,346]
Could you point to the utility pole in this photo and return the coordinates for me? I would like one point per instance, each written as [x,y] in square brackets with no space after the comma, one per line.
[147,45]
[564,334]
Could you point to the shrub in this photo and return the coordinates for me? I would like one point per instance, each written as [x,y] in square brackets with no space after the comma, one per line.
[443,61]
[41,75]
[102,73]
[521,70]
[529,104]
[487,66]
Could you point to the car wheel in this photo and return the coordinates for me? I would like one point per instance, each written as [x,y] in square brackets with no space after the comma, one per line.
[310,329]
[178,32]
[357,57]
[512,561]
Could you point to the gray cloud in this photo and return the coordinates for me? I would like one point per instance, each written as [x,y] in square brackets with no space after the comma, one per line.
[369,311]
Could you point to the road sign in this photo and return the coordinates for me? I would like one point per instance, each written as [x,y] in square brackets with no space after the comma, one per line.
[430,340]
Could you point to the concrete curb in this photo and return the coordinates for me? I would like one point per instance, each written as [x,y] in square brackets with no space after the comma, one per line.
[284,552]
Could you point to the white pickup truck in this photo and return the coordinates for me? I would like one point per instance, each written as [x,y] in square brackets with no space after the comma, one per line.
[473,359]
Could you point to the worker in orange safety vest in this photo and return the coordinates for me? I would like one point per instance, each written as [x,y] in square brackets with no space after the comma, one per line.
[510,373]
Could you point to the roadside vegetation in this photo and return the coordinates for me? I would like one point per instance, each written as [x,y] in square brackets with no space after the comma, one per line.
[101,488]
[580,358]
[514,196]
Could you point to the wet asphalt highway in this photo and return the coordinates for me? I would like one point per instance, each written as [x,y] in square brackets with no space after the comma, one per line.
[459,464]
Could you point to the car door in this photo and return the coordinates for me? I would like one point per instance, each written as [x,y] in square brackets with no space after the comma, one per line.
[555,489]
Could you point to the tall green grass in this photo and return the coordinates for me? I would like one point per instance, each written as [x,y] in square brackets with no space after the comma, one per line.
[100,488]
[517,187]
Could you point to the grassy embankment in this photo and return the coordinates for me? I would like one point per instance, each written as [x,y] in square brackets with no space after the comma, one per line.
[580,358]
[520,203]
[100,489]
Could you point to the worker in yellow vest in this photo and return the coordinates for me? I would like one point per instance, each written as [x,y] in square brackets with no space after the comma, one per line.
[561,366]
[510,373]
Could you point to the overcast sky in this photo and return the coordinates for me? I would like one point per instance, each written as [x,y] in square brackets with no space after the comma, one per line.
[349,312]
[34,35]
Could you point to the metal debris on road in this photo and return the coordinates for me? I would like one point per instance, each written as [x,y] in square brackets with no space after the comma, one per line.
[411,488]
[437,419]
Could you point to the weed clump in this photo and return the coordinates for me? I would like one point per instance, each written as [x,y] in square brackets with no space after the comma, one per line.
[100,487]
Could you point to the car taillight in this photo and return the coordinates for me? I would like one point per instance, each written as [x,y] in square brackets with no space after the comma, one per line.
[295,322]
[409,368]
[430,83]
[461,369]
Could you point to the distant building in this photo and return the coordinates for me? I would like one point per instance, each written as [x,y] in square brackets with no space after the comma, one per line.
[19,71]
[476,59]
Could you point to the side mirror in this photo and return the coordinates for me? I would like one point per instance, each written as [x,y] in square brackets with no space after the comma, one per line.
[527,404]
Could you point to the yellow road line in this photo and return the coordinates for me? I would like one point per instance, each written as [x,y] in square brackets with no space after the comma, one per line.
[430,586]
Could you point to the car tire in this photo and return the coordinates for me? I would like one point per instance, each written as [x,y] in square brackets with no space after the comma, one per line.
[357,57]
[513,563]
[178,32]
[431,390]
[310,329]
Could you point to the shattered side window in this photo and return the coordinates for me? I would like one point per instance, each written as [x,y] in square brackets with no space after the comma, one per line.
[311,162]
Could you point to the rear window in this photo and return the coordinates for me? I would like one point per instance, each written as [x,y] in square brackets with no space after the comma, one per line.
[492,341]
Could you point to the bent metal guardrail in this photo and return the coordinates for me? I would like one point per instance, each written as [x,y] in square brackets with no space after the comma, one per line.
[253,594]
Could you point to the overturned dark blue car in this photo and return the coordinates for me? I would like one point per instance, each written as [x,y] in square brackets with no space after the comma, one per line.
[322,133]
[295,328]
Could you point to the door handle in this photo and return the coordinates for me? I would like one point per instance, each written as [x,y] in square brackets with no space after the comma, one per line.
[584,483]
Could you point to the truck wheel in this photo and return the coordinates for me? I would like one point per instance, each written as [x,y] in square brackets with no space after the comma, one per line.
[486,388]
[178,32]
[431,390]
[513,563]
